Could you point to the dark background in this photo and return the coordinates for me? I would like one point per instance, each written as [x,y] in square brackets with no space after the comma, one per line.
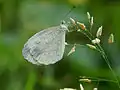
[20,19]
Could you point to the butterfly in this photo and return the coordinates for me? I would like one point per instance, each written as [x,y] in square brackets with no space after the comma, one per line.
[47,46]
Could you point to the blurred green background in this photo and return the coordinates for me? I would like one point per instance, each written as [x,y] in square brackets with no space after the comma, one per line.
[20,19]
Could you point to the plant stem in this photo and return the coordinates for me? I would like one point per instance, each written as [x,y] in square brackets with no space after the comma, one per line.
[102,52]
[108,63]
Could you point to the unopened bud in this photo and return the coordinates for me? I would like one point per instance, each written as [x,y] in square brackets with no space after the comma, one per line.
[99,32]
[91,46]
[88,15]
[81,87]
[85,80]
[96,41]
[72,21]
[91,21]
[78,30]
[68,89]
[72,50]
[82,26]
[95,89]
[111,38]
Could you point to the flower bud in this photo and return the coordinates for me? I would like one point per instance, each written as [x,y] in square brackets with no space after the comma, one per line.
[68,89]
[88,15]
[81,87]
[78,30]
[96,41]
[111,38]
[82,26]
[85,80]
[72,20]
[91,21]
[99,32]
[72,50]
[91,46]
[95,89]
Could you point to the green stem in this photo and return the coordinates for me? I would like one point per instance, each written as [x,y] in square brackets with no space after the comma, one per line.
[100,79]
[108,63]
[100,49]
[86,35]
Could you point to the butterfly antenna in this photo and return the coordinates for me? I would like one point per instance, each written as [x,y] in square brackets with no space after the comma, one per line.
[69,11]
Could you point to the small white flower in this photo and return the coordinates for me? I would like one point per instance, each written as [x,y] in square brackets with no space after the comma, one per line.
[95,89]
[91,22]
[72,20]
[82,26]
[85,80]
[99,32]
[96,41]
[91,46]
[88,15]
[68,89]
[72,50]
[81,87]
[111,38]
[78,30]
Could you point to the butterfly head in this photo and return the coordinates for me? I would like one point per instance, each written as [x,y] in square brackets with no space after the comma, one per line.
[63,26]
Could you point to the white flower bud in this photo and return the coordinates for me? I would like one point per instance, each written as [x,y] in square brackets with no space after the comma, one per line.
[95,89]
[91,46]
[82,26]
[85,80]
[88,15]
[91,21]
[99,32]
[81,87]
[68,89]
[78,30]
[111,38]
[72,20]
[72,50]
[96,41]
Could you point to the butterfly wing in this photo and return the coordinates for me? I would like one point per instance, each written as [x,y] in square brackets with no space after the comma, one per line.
[45,47]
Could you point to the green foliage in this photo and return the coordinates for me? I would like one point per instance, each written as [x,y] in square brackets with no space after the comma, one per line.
[21,19]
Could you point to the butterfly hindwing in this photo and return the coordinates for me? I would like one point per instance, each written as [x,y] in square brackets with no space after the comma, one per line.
[45,47]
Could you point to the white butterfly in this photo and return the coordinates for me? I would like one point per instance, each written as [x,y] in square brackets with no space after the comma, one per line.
[47,46]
